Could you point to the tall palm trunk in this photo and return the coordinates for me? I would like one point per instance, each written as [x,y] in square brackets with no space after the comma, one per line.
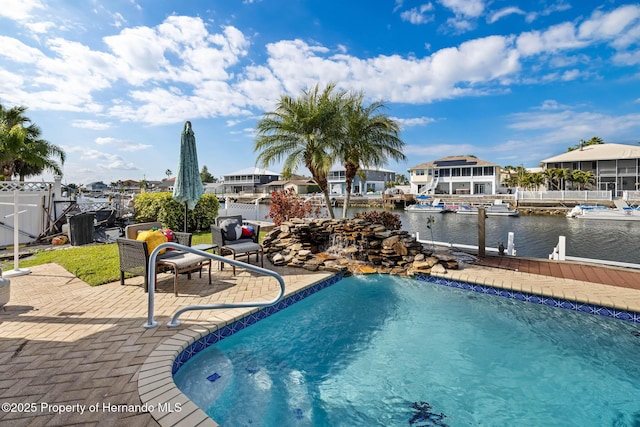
[347,198]
[350,171]
[320,178]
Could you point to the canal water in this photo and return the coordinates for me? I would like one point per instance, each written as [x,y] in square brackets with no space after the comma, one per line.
[535,236]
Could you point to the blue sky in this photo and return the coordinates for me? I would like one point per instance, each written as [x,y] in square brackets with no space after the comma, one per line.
[112,82]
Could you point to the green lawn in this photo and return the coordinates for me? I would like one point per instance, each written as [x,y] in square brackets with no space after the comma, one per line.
[95,264]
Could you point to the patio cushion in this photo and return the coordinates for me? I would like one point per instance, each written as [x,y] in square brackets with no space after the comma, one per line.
[232,229]
[247,231]
[153,239]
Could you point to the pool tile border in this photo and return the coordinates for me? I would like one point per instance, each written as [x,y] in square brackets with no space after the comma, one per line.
[594,309]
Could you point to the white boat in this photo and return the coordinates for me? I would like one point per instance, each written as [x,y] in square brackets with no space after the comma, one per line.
[467,210]
[498,209]
[622,212]
[425,207]
[501,210]
[435,207]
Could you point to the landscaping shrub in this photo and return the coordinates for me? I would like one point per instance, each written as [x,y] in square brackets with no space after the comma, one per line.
[388,219]
[286,205]
[163,208]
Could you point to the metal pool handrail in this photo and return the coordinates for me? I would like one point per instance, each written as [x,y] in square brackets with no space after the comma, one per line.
[151,323]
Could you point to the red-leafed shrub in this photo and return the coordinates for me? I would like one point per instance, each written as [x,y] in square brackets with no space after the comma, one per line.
[388,219]
[286,205]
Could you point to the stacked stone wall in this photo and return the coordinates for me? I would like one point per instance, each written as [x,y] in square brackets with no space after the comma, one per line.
[352,245]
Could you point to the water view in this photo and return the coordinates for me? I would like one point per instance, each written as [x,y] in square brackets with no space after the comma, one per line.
[535,236]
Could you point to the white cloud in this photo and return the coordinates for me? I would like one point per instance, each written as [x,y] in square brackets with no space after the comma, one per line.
[559,6]
[100,160]
[118,20]
[609,26]
[558,37]
[417,15]
[567,124]
[41,27]
[466,8]
[447,73]
[460,25]
[121,144]
[551,104]
[181,70]
[17,51]
[136,5]
[621,27]
[21,10]
[415,121]
[144,51]
[627,58]
[499,14]
[91,124]
[570,75]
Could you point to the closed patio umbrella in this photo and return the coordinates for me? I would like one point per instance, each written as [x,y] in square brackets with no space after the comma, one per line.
[188,186]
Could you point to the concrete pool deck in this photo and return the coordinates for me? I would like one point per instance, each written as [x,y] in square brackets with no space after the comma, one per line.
[74,354]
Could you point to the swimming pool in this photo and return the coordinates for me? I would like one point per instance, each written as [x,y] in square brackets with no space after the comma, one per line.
[387,351]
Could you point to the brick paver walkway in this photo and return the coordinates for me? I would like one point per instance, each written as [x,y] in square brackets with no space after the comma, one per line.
[63,342]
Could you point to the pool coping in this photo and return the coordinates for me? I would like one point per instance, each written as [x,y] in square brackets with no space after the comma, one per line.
[157,389]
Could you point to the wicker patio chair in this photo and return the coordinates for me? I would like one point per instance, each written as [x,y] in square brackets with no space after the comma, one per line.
[238,247]
[134,256]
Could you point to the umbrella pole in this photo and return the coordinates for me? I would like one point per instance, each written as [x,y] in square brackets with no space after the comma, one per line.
[186,212]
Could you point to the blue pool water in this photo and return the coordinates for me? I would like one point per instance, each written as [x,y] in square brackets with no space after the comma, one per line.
[386,351]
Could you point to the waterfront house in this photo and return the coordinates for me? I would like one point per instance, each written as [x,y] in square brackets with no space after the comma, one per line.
[214,188]
[616,167]
[455,175]
[164,185]
[298,185]
[97,186]
[368,180]
[249,180]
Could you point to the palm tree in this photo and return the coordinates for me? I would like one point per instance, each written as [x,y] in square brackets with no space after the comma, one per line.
[556,177]
[22,151]
[593,141]
[401,179]
[301,131]
[549,175]
[37,157]
[582,179]
[562,175]
[536,179]
[370,137]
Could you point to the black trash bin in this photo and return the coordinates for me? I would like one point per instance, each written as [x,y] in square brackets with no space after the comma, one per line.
[81,228]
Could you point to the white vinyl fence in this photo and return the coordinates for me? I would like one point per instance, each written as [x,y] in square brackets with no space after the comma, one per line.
[31,204]
[563,195]
[251,211]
